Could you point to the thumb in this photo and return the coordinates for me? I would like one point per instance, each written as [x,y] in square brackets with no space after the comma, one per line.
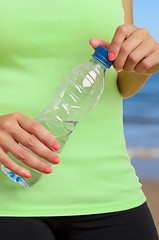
[95,42]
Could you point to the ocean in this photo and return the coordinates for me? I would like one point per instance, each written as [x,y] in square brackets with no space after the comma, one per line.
[141,129]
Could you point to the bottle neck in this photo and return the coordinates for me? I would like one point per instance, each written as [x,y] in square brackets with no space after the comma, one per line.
[98,63]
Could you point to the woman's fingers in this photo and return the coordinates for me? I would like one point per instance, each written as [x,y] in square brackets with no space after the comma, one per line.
[127,49]
[131,49]
[138,54]
[35,128]
[122,33]
[23,155]
[149,65]
[11,165]
[95,42]
[26,140]
[30,141]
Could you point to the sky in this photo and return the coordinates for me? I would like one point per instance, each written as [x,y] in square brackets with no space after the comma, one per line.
[146,14]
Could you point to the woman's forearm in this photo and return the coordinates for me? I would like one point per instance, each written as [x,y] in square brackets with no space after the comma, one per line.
[129,83]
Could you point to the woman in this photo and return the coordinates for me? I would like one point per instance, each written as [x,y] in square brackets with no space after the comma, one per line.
[94,192]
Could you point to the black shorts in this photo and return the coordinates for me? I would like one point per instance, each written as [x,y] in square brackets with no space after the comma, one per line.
[133,224]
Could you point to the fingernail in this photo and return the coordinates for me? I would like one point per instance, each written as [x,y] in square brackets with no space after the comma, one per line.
[56,160]
[111,56]
[27,175]
[56,146]
[48,170]
[119,70]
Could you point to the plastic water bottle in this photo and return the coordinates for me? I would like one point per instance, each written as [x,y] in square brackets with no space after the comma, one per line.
[77,93]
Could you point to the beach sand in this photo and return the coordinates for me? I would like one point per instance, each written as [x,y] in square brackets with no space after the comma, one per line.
[151,191]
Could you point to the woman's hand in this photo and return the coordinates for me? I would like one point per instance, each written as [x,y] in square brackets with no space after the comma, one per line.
[17,128]
[132,49]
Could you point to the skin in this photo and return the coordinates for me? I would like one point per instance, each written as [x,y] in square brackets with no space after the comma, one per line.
[18,128]
[134,51]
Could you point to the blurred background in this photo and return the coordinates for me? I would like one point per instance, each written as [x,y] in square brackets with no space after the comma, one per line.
[141,117]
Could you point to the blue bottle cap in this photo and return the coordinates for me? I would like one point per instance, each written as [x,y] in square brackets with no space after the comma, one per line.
[101,54]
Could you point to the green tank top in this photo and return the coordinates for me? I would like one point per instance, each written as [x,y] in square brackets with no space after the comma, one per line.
[40,41]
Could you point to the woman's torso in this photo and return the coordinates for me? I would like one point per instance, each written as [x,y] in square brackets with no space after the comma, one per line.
[40,42]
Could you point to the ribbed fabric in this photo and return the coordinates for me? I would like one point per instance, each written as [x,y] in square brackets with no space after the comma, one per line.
[40,41]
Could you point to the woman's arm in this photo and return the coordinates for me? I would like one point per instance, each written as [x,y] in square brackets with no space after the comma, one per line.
[128,11]
[129,83]
[133,51]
